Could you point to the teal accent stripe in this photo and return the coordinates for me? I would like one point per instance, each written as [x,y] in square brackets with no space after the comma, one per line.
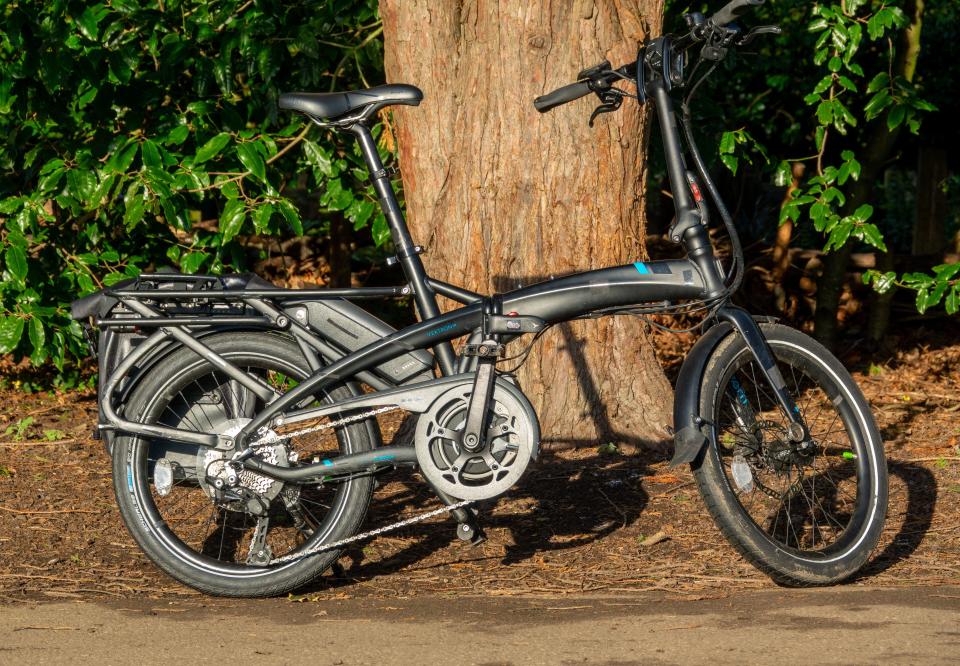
[641,267]
[384,457]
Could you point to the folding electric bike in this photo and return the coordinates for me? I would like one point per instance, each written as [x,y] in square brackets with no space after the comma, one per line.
[241,417]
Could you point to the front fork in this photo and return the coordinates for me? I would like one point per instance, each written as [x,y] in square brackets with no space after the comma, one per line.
[750,331]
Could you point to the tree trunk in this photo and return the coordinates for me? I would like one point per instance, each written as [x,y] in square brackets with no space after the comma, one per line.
[505,197]
[929,231]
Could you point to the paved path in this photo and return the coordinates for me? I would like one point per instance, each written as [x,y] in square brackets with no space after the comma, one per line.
[851,625]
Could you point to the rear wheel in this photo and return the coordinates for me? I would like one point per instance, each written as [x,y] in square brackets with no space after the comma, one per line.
[223,545]
[807,513]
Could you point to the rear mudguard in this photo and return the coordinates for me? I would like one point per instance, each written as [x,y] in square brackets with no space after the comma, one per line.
[689,436]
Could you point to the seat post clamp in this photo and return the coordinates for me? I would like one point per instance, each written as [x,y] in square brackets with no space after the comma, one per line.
[404,253]
[384,172]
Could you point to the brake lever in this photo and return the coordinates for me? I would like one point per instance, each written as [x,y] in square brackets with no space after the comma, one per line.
[759,30]
[612,99]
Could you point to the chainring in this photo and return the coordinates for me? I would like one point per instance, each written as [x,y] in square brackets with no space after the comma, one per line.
[512,440]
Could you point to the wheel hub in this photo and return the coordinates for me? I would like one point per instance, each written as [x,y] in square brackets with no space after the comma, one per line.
[241,489]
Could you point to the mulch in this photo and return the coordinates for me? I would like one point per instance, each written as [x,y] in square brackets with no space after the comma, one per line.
[582,520]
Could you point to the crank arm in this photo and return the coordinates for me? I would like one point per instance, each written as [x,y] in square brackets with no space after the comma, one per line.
[474,436]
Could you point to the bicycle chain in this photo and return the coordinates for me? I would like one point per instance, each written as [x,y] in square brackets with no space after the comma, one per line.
[273,438]
[319,548]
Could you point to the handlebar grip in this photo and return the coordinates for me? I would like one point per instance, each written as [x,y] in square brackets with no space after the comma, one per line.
[562,95]
[733,9]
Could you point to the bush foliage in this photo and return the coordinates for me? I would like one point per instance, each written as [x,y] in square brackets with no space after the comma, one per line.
[141,133]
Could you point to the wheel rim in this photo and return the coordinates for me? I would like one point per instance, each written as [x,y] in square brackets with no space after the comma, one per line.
[186,522]
[812,504]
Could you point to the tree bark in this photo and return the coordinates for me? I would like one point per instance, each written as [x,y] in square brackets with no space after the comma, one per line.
[505,197]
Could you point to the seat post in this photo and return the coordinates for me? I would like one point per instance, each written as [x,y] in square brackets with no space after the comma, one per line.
[424,295]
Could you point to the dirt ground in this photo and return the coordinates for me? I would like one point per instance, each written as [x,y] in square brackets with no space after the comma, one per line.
[581,522]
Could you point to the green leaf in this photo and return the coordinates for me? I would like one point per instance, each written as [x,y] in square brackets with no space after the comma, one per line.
[111,279]
[121,159]
[783,175]
[823,85]
[838,236]
[360,212]
[917,280]
[380,230]
[133,211]
[825,112]
[880,81]
[16,260]
[731,162]
[869,233]
[883,282]
[952,303]
[896,116]
[151,155]
[252,160]
[174,213]
[936,294]
[89,19]
[81,184]
[212,148]
[10,205]
[37,340]
[192,262]
[727,143]
[863,213]
[11,329]
[231,221]
[290,214]
[847,83]
[261,217]
[946,271]
[318,158]
[177,135]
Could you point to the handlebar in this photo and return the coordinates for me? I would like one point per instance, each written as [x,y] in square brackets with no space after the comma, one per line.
[562,95]
[599,78]
[732,10]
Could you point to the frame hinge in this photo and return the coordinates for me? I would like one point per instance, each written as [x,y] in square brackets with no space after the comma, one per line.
[486,349]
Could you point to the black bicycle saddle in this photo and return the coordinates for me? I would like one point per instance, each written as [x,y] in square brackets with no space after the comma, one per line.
[336,104]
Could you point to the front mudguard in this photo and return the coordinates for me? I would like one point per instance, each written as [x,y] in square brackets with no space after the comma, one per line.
[689,437]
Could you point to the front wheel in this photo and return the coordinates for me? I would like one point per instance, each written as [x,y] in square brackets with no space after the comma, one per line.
[806,513]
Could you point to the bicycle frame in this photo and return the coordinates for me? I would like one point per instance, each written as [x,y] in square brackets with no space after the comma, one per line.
[698,277]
